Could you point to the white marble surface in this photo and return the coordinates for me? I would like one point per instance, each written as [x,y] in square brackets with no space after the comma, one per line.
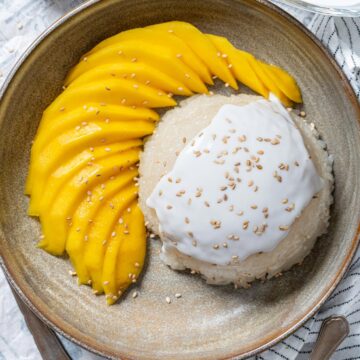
[20,22]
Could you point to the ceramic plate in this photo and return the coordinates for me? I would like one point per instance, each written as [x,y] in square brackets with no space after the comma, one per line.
[207,322]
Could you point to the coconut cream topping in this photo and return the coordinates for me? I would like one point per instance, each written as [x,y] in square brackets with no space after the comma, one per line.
[237,187]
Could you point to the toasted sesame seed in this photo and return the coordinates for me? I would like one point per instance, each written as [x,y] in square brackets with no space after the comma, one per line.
[285,201]
[296,163]
[259,166]
[187,221]
[72,273]
[113,234]
[194,243]
[261,152]
[190,234]
[133,59]
[216,247]
[137,265]
[135,294]
[245,225]
[225,245]
[254,207]
[275,141]
[168,300]
[169,207]
[302,113]
[178,295]
[107,282]
[250,183]
[206,204]
[283,227]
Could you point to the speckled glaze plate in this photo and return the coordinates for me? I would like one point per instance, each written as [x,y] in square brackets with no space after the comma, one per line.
[207,322]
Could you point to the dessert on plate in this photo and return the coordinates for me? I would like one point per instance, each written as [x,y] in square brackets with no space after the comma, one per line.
[84,170]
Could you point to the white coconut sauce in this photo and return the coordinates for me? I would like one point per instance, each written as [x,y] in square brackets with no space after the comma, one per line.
[237,187]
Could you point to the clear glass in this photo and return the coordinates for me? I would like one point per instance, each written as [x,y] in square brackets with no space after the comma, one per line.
[338,10]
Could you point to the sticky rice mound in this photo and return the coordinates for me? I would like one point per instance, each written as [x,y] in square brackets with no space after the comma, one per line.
[160,152]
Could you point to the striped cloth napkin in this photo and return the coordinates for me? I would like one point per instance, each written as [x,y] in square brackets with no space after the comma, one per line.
[341,36]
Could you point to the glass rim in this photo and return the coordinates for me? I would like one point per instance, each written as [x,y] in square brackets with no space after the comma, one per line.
[337,11]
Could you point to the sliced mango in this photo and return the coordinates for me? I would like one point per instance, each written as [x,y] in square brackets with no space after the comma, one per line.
[132,250]
[113,91]
[139,71]
[284,81]
[271,85]
[43,197]
[53,125]
[178,47]
[240,64]
[67,145]
[137,50]
[102,230]
[85,217]
[125,254]
[201,46]
[54,223]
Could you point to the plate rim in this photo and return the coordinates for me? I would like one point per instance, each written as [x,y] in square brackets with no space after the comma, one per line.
[90,344]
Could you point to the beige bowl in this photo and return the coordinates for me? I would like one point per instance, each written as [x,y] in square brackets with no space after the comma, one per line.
[207,322]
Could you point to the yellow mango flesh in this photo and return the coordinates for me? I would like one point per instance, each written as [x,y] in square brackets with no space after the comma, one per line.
[101,232]
[240,61]
[113,91]
[137,50]
[178,47]
[139,71]
[54,223]
[284,81]
[125,254]
[86,216]
[272,86]
[43,197]
[201,46]
[52,125]
[67,145]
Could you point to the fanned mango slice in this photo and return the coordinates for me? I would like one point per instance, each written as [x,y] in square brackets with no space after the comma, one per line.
[137,50]
[113,91]
[139,71]
[201,46]
[85,217]
[258,76]
[272,86]
[125,254]
[240,64]
[43,197]
[53,125]
[67,145]
[102,230]
[178,47]
[284,81]
[54,223]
